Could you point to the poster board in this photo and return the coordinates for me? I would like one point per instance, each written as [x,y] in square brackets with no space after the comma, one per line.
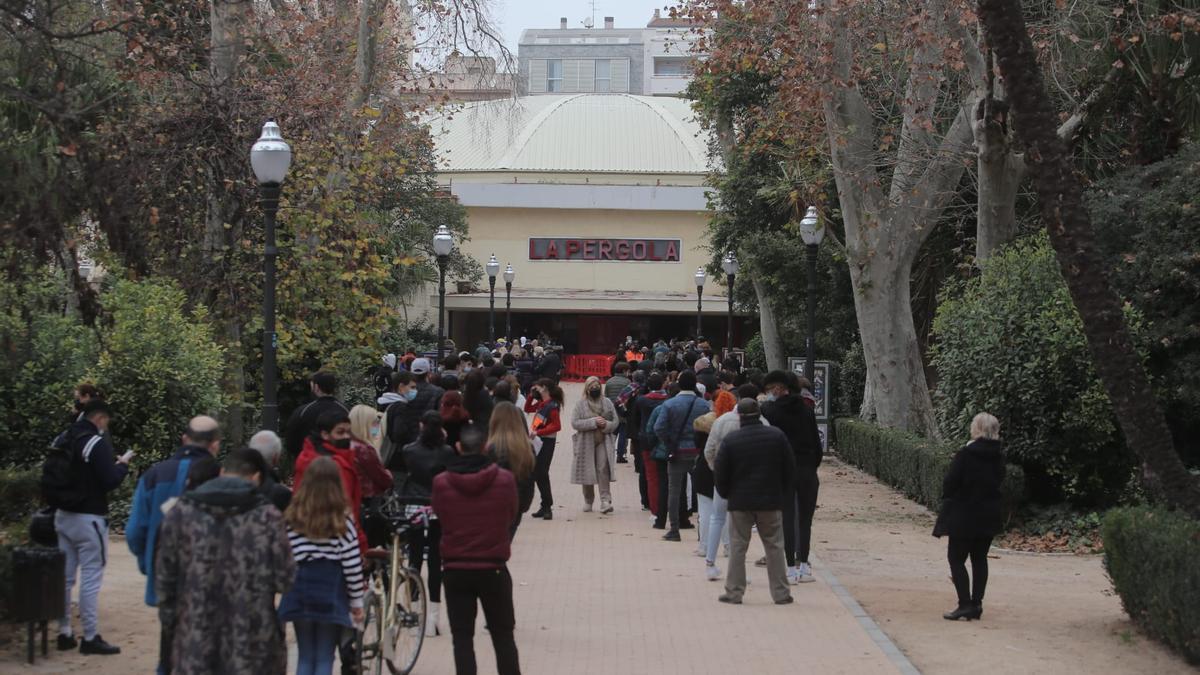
[822,370]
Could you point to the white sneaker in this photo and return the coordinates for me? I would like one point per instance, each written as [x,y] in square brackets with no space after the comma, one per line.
[805,573]
[793,575]
[712,572]
[701,552]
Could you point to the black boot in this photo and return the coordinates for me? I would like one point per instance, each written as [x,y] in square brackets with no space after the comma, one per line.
[540,513]
[966,611]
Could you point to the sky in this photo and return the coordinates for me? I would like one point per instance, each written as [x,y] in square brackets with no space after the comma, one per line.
[515,16]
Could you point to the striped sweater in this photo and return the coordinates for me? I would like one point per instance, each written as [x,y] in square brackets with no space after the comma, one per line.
[344,549]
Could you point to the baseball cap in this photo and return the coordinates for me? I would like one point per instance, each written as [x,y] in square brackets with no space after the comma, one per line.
[420,366]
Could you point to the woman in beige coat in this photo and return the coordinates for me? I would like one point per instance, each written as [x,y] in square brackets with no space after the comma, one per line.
[595,422]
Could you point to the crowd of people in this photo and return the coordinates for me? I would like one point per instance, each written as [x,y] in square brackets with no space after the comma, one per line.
[715,448]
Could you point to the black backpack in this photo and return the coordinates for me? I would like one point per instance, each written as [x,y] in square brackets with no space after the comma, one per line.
[62,474]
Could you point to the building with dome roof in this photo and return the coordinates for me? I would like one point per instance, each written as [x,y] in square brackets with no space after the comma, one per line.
[598,201]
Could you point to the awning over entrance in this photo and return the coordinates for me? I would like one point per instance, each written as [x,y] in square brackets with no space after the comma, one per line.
[575,301]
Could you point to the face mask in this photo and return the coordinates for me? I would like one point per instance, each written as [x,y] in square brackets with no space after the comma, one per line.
[771,397]
[594,393]
[374,432]
[341,443]
[410,394]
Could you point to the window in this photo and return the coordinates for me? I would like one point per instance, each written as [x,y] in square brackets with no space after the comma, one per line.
[603,75]
[672,67]
[554,75]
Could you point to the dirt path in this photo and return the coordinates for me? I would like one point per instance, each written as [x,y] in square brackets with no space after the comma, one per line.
[1042,614]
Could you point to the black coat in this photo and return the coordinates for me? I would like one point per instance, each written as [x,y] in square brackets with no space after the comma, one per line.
[404,421]
[798,422]
[971,502]
[549,367]
[303,422]
[755,469]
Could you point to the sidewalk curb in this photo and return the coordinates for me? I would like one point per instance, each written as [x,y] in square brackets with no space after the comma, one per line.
[873,630]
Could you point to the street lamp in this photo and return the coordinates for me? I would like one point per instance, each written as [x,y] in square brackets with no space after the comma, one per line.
[730,265]
[270,158]
[700,277]
[493,268]
[509,275]
[812,233]
[443,244]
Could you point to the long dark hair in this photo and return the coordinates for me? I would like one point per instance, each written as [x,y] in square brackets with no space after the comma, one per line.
[555,391]
[432,434]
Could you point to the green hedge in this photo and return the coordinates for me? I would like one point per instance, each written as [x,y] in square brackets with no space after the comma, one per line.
[909,463]
[20,493]
[1151,556]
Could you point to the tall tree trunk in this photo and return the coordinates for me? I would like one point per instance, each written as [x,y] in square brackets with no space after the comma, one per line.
[1000,174]
[229,22]
[1061,196]
[899,393]
[768,328]
[364,58]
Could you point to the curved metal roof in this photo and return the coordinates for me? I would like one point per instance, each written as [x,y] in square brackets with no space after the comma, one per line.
[580,133]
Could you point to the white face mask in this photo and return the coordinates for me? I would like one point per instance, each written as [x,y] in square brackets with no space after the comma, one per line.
[771,396]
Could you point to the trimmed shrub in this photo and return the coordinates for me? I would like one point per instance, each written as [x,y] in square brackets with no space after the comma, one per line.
[1011,342]
[913,465]
[1150,555]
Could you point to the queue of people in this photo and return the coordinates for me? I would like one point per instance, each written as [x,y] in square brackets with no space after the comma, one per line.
[218,542]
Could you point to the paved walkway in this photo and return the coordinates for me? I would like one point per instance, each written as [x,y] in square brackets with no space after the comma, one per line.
[604,594]
[594,594]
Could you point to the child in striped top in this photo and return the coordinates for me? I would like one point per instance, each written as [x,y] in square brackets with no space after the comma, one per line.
[327,596]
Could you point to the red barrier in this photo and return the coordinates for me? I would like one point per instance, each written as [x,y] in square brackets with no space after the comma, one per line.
[579,367]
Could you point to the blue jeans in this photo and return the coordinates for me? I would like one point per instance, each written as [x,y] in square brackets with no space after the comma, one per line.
[315,643]
[716,523]
[622,440]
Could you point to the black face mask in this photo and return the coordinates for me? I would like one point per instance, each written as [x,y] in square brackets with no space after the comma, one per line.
[341,443]
[594,393]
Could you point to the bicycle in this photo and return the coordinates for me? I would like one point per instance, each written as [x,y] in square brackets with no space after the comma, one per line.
[394,605]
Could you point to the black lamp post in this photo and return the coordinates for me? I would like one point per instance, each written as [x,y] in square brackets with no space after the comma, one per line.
[730,265]
[493,268]
[700,278]
[270,158]
[509,275]
[443,244]
[812,233]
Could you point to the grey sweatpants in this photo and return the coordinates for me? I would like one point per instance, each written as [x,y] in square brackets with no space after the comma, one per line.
[83,539]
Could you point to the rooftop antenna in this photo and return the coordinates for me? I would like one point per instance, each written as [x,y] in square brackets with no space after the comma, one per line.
[592,20]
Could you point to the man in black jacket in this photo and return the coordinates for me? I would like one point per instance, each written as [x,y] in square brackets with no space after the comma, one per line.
[787,411]
[754,471]
[82,525]
[303,421]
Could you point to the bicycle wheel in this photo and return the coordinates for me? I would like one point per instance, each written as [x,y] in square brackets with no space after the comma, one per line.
[370,637]
[405,629]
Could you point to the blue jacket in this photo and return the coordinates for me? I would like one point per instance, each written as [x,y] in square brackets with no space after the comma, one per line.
[674,426]
[161,482]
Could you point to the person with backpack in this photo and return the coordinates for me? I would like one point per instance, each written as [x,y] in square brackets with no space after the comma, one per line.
[164,481]
[76,480]
[303,420]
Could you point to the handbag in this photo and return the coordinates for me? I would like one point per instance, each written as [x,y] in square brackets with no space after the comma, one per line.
[667,451]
